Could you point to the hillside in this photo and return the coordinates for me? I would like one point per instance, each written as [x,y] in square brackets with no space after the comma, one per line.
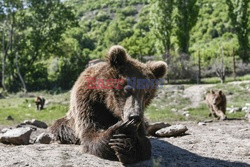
[62,36]
[102,17]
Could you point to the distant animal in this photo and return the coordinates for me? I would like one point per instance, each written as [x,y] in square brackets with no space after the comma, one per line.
[217,102]
[40,101]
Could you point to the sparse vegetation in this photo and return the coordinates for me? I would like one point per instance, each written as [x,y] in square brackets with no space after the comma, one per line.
[23,108]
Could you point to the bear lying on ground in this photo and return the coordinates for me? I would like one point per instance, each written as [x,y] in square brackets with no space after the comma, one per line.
[216,101]
[106,114]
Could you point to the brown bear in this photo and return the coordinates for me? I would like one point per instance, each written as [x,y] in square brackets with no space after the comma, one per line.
[106,114]
[217,102]
[40,101]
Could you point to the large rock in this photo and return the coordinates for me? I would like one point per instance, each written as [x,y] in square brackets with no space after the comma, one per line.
[16,136]
[44,138]
[36,123]
[174,130]
[153,127]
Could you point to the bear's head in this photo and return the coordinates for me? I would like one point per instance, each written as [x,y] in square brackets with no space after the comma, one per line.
[141,80]
[216,97]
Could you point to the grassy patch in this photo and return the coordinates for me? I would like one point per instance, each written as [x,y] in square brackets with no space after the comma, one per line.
[199,114]
[160,109]
[25,109]
[154,114]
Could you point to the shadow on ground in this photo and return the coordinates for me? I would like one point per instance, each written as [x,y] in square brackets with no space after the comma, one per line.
[165,154]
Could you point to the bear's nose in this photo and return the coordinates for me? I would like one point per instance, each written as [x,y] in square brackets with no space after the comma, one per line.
[136,118]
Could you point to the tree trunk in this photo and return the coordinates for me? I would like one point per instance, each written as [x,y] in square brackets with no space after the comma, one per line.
[4,50]
[222,66]
[19,74]
[199,69]
[234,65]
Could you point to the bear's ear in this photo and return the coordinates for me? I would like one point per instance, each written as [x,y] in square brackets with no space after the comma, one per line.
[158,68]
[220,92]
[117,56]
[212,91]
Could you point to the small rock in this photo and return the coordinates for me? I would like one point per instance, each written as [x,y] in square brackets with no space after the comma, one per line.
[242,130]
[174,130]
[39,124]
[174,110]
[44,138]
[245,109]
[9,118]
[247,104]
[235,109]
[202,123]
[4,130]
[16,136]
[36,123]
[208,121]
[153,127]
[186,113]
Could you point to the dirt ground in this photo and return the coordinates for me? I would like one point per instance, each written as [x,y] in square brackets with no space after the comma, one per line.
[224,143]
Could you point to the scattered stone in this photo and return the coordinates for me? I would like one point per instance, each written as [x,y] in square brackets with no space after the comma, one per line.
[44,138]
[36,123]
[174,110]
[234,109]
[16,136]
[23,125]
[247,104]
[9,118]
[186,113]
[153,127]
[202,123]
[174,130]
[242,130]
[4,130]
[208,121]
[245,109]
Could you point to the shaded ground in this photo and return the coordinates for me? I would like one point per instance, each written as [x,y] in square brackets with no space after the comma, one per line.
[216,144]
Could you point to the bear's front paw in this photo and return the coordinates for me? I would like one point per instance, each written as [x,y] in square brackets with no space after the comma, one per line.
[124,147]
[128,128]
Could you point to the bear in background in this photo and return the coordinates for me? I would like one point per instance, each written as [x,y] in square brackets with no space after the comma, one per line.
[40,101]
[217,102]
[109,122]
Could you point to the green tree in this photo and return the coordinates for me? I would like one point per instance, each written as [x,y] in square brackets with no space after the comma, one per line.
[162,23]
[239,15]
[186,18]
[32,30]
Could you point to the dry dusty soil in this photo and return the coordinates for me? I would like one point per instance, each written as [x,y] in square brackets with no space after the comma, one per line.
[215,144]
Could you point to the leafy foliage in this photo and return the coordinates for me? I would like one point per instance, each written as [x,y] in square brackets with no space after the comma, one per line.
[239,15]
[48,43]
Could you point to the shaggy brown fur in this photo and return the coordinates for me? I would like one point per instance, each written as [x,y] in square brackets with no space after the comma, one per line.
[40,101]
[110,122]
[217,103]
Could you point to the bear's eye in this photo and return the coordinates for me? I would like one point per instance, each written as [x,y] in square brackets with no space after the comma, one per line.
[128,90]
